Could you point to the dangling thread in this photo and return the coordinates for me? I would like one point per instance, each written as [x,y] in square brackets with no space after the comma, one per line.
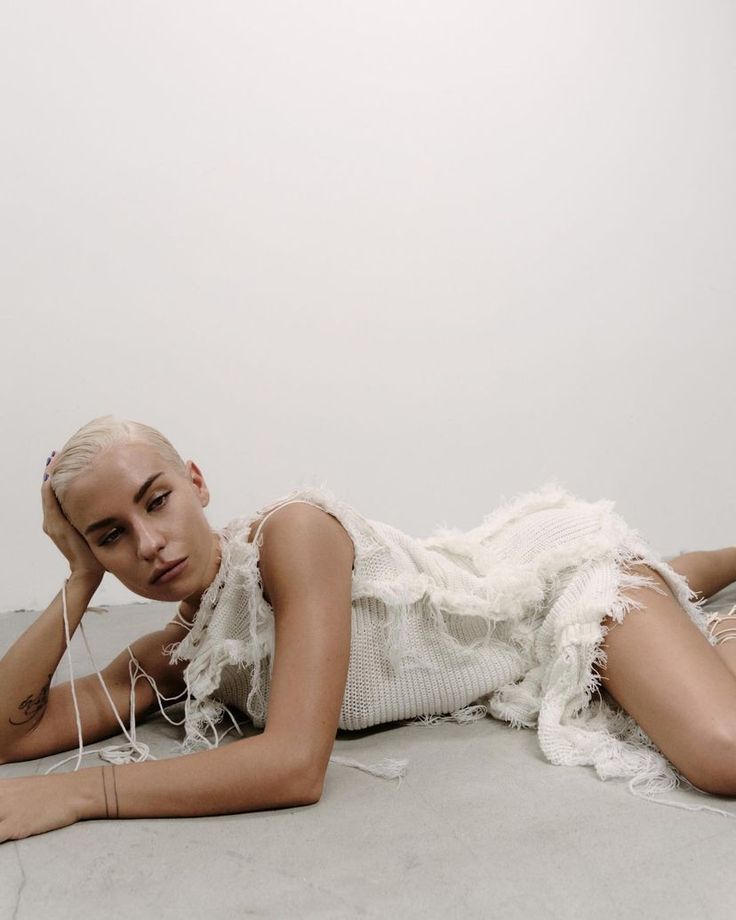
[122,753]
[651,798]
[384,769]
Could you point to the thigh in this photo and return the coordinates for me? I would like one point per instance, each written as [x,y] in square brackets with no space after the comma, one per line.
[662,670]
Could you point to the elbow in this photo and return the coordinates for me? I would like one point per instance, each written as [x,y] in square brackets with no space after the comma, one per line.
[305,785]
[306,796]
[297,771]
[9,756]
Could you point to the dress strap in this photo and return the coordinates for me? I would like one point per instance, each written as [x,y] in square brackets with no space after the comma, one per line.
[282,505]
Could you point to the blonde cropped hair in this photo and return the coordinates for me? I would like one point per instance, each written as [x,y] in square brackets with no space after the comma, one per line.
[99,435]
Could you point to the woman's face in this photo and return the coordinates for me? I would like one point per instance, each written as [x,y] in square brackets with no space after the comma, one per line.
[139,514]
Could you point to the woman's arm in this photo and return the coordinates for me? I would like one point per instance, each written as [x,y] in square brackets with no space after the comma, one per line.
[306,567]
[29,664]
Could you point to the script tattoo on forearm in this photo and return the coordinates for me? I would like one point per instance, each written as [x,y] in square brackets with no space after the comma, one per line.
[32,706]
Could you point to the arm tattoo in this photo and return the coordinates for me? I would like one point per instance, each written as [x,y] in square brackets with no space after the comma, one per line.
[32,706]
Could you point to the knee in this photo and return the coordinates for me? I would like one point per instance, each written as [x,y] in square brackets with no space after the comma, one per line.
[714,769]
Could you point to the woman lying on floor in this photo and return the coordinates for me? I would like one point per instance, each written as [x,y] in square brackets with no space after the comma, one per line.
[308,617]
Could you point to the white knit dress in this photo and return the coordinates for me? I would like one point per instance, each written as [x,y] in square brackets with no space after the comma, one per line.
[504,619]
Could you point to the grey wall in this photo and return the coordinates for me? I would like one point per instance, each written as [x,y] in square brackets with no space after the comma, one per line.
[431,253]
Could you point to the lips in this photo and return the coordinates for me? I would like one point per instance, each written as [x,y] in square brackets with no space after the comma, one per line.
[170,571]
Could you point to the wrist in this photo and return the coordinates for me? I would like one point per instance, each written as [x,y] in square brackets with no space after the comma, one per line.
[86,793]
[86,579]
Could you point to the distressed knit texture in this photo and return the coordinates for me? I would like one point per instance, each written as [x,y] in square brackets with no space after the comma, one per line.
[502,620]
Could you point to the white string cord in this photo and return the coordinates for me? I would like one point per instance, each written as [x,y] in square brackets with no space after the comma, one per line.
[71,677]
[122,753]
[651,798]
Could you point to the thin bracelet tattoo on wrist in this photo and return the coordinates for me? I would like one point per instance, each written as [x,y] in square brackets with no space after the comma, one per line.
[113,794]
[104,791]
[115,786]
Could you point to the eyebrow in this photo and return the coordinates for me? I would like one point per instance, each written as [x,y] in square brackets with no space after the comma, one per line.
[145,487]
[105,522]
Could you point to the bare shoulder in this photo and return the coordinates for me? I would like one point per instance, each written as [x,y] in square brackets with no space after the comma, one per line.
[297,516]
[301,543]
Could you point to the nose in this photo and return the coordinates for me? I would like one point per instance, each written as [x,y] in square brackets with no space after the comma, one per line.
[151,540]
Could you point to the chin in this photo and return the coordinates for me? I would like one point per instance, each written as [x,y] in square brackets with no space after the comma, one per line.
[170,594]
[147,594]
[149,591]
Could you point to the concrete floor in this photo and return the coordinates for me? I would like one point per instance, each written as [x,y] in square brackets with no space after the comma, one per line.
[482,826]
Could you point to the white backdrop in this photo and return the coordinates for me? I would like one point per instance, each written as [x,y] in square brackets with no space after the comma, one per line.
[429,253]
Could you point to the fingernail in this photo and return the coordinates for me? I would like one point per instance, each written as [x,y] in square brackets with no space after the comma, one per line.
[45,477]
[48,460]
[53,453]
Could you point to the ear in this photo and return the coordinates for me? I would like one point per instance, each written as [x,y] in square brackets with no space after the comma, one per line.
[197,479]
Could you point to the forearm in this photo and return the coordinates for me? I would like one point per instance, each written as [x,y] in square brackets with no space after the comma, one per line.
[29,664]
[247,775]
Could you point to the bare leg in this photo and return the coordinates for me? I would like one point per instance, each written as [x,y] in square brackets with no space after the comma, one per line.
[707,571]
[662,671]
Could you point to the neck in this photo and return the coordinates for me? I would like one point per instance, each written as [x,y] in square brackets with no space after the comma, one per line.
[190,605]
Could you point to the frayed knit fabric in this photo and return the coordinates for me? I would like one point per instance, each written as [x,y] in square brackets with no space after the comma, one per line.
[504,619]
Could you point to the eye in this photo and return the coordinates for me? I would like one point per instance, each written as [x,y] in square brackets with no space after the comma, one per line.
[159,501]
[111,537]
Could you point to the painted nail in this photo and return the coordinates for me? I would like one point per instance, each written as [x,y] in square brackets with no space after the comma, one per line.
[53,453]
[45,476]
[48,460]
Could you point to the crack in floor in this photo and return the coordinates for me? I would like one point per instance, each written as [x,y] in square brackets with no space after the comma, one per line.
[19,893]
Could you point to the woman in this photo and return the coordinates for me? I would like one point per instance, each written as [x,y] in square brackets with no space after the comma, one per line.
[318,618]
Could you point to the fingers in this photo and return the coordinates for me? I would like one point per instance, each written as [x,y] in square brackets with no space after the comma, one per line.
[49,501]
[48,462]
